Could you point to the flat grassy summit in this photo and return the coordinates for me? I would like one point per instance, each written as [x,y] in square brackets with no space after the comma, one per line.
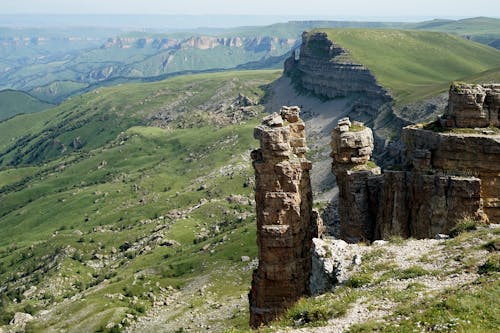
[412,64]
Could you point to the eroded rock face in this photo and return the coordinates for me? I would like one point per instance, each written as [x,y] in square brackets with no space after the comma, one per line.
[475,155]
[427,198]
[327,69]
[285,221]
[420,205]
[473,105]
[352,147]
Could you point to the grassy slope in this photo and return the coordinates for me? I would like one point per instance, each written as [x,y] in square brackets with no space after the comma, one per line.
[58,218]
[99,116]
[15,102]
[481,29]
[413,64]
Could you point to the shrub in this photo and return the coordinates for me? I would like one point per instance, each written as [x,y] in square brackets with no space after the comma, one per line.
[463,225]
[490,266]
[359,280]
[6,317]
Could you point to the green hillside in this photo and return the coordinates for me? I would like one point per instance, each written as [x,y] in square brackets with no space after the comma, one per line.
[90,120]
[136,211]
[15,102]
[412,64]
[484,30]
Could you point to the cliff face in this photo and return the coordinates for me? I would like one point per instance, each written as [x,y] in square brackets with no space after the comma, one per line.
[466,154]
[473,106]
[435,190]
[326,69]
[256,44]
[285,222]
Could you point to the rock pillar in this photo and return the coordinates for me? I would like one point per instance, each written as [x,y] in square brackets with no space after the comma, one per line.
[352,147]
[285,222]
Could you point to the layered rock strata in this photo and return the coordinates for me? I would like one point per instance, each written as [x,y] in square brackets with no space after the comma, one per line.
[352,147]
[460,154]
[285,221]
[327,69]
[421,201]
[473,105]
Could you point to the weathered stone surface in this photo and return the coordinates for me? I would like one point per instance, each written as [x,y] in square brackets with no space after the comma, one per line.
[414,204]
[351,150]
[460,154]
[20,320]
[473,105]
[286,223]
[447,177]
[327,69]
[330,259]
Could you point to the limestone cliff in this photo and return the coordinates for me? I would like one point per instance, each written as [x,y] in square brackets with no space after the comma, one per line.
[446,177]
[257,44]
[465,154]
[285,222]
[473,106]
[327,70]
[352,147]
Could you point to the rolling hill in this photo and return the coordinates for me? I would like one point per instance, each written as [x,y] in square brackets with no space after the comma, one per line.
[53,65]
[152,206]
[17,102]
[131,207]
[484,30]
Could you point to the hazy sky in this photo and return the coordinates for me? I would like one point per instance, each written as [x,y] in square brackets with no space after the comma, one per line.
[324,8]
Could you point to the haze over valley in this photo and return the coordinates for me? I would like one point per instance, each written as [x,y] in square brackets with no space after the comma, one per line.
[134,196]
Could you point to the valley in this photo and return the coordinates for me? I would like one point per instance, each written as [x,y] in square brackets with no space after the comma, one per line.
[129,204]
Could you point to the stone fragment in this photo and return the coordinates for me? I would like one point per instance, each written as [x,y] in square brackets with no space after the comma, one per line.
[472,105]
[290,113]
[273,120]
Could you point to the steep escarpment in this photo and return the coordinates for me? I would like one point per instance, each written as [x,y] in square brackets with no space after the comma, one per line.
[328,70]
[257,44]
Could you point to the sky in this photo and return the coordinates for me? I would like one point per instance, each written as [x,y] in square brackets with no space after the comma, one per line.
[321,8]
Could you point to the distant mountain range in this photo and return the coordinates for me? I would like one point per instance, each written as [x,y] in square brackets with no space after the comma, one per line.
[53,64]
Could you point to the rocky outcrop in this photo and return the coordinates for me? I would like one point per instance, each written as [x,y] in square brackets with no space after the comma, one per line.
[473,105]
[420,201]
[327,69]
[331,259]
[419,205]
[352,147]
[256,44]
[285,222]
[460,154]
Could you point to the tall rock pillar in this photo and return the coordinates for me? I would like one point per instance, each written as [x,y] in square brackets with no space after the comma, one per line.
[285,223]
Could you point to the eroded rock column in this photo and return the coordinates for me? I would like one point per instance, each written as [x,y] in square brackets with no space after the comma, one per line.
[285,223]
[352,147]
